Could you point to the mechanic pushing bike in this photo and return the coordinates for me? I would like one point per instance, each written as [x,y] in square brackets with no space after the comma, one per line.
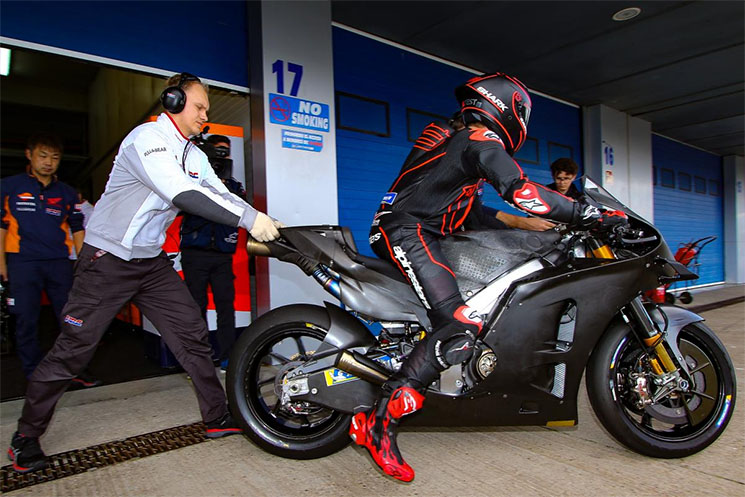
[429,200]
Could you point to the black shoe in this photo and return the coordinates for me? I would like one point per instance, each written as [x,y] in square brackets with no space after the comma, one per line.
[222,427]
[84,380]
[26,454]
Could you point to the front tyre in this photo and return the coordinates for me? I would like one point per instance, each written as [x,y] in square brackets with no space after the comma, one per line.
[276,342]
[680,423]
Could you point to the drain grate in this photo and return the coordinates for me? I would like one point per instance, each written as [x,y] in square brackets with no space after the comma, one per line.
[97,456]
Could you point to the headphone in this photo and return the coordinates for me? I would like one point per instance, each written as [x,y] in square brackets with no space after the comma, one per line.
[173,98]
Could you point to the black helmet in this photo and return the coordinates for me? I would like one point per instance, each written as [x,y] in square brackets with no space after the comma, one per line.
[499,102]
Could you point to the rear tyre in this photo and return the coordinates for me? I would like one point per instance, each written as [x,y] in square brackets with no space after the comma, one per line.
[679,424]
[686,297]
[267,349]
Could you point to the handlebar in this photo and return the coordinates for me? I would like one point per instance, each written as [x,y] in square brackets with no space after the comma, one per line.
[633,241]
[625,235]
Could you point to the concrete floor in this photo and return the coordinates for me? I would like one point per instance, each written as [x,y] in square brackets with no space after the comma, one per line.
[531,461]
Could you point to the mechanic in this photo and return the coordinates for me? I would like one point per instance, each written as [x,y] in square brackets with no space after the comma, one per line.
[207,250]
[564,172]
[40,228]
[157,172]
[429,200]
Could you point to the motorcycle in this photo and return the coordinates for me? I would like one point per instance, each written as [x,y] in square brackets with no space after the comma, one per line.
[555,304]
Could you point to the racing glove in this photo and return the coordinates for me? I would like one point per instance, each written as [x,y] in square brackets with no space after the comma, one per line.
[592,218]
[609,220]
[264,228]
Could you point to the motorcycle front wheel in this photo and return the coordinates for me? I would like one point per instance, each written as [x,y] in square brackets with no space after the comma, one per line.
[678,424]
[273,344]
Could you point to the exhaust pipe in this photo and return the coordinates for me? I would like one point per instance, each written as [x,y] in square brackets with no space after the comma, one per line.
[255,247]
[352,365]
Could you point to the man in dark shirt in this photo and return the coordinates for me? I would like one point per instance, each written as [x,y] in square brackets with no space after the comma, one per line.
[207,250]
[564,172]
[40,228]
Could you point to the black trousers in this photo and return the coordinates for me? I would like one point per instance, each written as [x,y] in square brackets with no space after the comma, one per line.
[102,285]
[207,267]
[415,249]
[416,252]
[27,279]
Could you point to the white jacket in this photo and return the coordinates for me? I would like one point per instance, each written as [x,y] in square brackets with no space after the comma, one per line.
[131,218]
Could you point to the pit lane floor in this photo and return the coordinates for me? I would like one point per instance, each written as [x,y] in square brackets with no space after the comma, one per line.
[525,461]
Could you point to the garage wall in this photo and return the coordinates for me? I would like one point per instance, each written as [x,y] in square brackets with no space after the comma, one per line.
[204,38]
[688,202]
[385,95]
[110,119]
[618,154]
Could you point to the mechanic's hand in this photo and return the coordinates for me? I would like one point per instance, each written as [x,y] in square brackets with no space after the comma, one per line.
[535,224]
[3,270]
[278,224]
[264,228]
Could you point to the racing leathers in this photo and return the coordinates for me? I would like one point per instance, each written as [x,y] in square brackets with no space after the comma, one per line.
[430,199]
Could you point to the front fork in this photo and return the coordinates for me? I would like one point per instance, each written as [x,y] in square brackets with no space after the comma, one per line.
[652,337]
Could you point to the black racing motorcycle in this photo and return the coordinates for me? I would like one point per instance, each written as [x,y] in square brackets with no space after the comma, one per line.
[555,304]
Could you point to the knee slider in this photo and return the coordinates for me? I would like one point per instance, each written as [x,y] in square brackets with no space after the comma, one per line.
[455,349]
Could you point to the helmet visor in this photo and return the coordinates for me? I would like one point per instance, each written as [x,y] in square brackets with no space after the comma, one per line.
[523,112]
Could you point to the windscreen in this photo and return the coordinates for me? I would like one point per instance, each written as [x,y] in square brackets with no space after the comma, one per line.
[604,199]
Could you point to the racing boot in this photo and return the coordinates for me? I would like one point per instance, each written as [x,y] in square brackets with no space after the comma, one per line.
[376,430]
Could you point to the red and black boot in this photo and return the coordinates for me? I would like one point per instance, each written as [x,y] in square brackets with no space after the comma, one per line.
[377,429]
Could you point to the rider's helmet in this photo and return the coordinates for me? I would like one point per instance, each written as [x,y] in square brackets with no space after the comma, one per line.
[501,103]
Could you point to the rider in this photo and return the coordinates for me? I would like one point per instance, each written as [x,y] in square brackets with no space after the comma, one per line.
[429,200]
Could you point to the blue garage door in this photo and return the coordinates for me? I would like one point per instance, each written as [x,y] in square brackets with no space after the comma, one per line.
[688,202]
[384,98]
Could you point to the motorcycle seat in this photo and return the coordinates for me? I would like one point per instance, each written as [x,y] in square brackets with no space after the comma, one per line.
[373,263]
[381,266]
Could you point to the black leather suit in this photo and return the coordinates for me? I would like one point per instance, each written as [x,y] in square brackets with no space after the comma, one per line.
[430,199]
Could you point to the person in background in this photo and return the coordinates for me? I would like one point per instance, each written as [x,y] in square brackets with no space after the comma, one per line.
[85,207]
[41,229]
[207,250]
[564,172]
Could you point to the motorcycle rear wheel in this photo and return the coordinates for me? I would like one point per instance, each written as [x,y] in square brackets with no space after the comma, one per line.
[273,343]
[679,425]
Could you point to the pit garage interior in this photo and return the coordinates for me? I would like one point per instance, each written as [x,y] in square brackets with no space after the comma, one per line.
[651,106]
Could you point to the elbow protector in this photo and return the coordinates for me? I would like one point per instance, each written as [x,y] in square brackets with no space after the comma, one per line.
[525,195]
[542,202]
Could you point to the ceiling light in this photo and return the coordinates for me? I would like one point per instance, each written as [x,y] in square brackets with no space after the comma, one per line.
[627,14]
[4,61]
